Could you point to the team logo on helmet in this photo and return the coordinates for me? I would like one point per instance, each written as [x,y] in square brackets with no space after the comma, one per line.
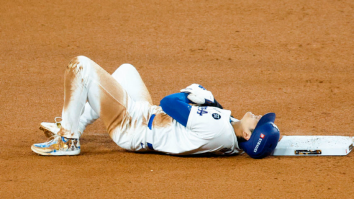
[262,135]
[216,116]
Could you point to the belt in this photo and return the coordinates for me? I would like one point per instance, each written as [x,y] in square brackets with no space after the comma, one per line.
[149,133]
[151,120]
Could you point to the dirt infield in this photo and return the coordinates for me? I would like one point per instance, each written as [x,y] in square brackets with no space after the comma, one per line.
[294,58]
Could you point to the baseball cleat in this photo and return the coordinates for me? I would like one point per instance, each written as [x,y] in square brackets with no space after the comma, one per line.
[50,129]
[58,145]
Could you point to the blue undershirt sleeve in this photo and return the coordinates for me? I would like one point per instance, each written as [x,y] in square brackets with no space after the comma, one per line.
[177,106]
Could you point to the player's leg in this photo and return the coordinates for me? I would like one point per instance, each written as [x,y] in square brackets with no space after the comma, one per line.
[88,117]
[129,78]
[104,94]
[86,81]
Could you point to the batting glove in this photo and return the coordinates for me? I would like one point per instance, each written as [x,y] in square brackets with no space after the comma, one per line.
[198,94]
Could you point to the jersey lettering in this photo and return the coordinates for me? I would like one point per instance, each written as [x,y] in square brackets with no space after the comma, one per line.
[202,110]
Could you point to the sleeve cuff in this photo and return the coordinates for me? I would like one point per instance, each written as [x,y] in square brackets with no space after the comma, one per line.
[190,118]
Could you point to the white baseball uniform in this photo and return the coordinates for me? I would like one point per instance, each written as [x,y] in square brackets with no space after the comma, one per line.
[124,104]
[208,131]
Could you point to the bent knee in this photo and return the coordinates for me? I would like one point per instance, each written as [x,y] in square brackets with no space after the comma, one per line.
[78,63]
[126,67]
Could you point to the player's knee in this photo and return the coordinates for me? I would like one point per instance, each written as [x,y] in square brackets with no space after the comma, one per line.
[124,69]
[127,67]
[77,63]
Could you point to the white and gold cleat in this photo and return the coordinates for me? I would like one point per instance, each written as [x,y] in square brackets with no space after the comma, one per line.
[51,129]
[58,145]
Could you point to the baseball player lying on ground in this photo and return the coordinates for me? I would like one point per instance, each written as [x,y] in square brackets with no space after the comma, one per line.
[185,123]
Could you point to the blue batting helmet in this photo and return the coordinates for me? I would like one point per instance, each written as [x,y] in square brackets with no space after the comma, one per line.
[264,138]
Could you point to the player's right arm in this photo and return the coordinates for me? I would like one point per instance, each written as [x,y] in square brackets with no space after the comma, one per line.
[200,96]
[177,106]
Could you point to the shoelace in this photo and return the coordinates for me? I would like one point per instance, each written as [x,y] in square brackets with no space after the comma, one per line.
[56,118]
[56,137]
[58,123]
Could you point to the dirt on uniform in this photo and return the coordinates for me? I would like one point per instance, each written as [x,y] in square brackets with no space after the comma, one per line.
[294,58]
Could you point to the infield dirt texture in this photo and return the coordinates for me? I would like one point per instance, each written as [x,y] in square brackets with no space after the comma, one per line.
[294,58]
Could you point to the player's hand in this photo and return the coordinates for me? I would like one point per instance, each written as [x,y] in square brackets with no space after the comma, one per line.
[198,94]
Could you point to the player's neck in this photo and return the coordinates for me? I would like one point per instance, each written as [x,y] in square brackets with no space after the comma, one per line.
[237,128]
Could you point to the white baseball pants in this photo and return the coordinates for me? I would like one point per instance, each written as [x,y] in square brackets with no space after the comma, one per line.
[121,100]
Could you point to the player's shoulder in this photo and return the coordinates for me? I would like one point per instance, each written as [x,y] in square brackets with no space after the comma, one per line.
[209,122]
[211,114]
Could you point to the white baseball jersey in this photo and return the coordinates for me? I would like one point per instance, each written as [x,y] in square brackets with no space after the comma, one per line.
[208,131]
